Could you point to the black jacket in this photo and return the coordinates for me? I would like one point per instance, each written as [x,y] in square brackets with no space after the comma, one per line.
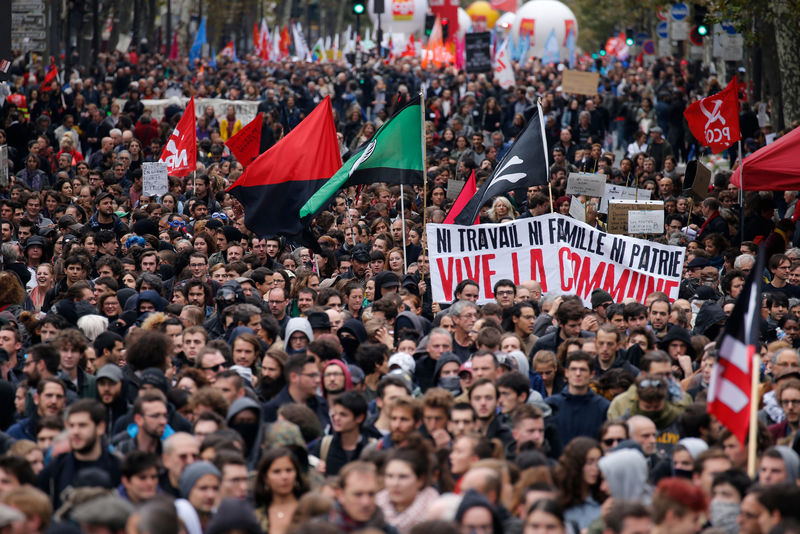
[62,471]
[317,404]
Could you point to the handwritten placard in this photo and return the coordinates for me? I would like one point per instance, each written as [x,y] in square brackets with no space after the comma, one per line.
[4,166]
[154,178]
[584,183]
[580,83]
[646,222]
[618,213]
[619,192]
[577,210]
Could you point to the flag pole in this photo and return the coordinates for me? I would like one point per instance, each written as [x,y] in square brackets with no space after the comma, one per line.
[752,440]
[403,223]
[741,191]
[424,179]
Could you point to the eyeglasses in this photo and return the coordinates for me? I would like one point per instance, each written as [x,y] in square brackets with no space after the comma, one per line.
[310,375]
[610,442]
[214,368]
[504,293]
[790,402]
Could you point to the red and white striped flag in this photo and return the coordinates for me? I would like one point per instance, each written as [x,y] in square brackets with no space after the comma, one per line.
[4,65]
[731,379]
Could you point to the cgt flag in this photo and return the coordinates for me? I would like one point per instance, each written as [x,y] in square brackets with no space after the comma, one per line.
[731,378]
[523,166]
[714,120]
[180,154]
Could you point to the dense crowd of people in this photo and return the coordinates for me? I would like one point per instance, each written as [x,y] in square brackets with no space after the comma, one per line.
[166,370]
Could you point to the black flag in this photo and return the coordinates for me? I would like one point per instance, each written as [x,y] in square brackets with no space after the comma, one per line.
[524,165]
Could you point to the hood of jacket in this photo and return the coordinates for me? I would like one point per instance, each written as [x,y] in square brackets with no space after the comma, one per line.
[709,315]
[297,324]
[626,472]
[473,499]
[348,378]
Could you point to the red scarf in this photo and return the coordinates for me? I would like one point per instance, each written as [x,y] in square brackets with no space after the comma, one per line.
[714,216]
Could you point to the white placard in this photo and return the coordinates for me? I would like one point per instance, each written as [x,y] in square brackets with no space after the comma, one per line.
[154,178]
[577,210]
[679,30]
[664,48]
[123,43]
[584,183]
[645,222]
[618,192]
[4,166]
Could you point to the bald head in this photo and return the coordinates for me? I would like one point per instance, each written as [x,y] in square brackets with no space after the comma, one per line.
[484,480]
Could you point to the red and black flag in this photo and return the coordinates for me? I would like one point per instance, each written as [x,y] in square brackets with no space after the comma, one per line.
[280,181]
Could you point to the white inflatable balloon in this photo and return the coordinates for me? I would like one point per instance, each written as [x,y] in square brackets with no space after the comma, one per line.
[506,20]
[544,16]
[400,16]
[464,22]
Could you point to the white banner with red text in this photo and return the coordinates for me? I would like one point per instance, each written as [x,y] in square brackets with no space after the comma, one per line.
[564,255]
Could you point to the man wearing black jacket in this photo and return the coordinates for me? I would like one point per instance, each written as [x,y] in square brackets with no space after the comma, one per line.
[348,439]
[483,397]
[86,426]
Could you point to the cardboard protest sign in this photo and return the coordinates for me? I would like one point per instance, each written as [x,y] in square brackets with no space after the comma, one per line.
[618,213]
[154,178]
[646,222]
[580,83]
[584,183]
[696,179]
[478,48]
[454,188]
[564,255]
[620,192]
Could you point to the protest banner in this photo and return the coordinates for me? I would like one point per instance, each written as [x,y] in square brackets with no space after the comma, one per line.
[618,213]
[4,166]
[478,47]
[584,183]
[619,192]
[580,83]
[564,255]
[154,178]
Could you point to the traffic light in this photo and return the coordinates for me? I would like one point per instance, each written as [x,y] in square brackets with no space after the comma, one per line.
[700,14]
[430,20]
[445,28]
[602,53]
[629,39]
[358,7]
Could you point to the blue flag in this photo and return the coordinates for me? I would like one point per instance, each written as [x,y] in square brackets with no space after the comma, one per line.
[213,62]
[571,47]
[552,52]
[200,39]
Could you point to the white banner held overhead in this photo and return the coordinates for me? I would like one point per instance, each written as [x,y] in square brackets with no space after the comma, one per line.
[564,255]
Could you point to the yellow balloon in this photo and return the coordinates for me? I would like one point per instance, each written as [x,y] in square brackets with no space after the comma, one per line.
[484,9]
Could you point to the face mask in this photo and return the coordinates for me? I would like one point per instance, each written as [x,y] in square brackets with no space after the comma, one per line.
[450,383]
[349,345]
[724,514]
[683,473]
[248,431]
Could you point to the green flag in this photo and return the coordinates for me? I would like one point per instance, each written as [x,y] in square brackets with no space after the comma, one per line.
[394,155]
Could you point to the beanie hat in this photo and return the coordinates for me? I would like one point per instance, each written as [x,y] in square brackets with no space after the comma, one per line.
[193,473]
[600,296]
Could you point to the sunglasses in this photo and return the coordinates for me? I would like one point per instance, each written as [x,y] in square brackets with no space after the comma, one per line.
[214,368]
[609,442]
[218,215]
[651,383]
[177,223]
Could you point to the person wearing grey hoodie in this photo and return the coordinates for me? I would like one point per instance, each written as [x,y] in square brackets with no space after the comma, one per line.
[624,479]
[297,325]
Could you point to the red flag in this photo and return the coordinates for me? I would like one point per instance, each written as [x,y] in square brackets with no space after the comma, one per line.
[246,143]
[281,180]
[256,39]
[48,79]
[285,41]
[714,120]
[173,51]
[731,378]
[180,154]
[466,194]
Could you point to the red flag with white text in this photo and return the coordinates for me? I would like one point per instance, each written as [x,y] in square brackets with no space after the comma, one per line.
[731,378]
[714,120]
[180,153]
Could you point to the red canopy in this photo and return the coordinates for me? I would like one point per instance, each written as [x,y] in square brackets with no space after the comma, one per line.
[775,167]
